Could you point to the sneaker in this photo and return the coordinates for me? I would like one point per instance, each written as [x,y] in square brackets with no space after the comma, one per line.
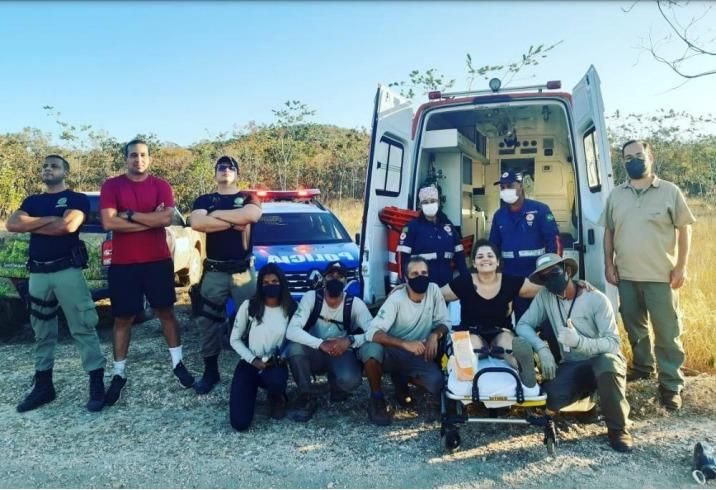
[42,392]
[96,389]
[206,383]
[114,392]
[303,408]
[670,399]
[338,396]
[634,375]
[277,406]
[378,411]
[183,375]
[620,440]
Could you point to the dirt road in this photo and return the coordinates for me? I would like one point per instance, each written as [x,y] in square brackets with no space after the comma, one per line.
[160,435]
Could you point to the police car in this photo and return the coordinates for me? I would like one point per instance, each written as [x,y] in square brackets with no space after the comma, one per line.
[303,237]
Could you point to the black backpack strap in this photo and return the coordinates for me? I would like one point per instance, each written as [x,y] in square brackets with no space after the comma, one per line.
[316,311]
[347,311]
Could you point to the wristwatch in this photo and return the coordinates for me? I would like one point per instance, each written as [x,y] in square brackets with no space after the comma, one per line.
[352,339]
[130,213]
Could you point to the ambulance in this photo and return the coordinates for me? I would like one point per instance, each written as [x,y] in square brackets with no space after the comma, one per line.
[463,142]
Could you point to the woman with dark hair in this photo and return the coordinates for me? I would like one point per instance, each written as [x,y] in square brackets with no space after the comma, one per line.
[486,297]
[258,337]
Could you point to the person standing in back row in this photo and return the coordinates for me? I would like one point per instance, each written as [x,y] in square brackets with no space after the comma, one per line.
[57,257]
[226,216]
[136,206]
[523,229]
[646,250]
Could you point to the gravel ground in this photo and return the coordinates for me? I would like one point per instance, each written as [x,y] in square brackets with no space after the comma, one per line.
[160,435]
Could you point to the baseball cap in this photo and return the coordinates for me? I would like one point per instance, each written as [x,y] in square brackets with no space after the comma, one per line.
[509,176]
[336,267]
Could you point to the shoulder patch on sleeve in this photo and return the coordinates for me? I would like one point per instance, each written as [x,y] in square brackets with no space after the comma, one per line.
[550,217]
[405,229]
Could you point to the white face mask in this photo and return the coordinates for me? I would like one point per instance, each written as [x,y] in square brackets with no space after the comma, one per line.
[509,195]
[430,210]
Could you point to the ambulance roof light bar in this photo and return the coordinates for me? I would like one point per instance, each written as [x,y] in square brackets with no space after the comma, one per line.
[286,195]
[495,87]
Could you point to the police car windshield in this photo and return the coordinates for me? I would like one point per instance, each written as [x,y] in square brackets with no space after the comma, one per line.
[299,228]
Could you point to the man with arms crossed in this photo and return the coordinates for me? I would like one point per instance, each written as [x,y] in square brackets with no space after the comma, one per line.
[57,257]
[136,206]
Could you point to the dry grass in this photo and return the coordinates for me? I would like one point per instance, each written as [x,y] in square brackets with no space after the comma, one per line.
[350,212]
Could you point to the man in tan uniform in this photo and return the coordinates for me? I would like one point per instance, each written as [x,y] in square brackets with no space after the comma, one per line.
[646,250]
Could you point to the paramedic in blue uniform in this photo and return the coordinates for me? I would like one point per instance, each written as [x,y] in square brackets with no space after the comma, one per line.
[523,229]
[433,237]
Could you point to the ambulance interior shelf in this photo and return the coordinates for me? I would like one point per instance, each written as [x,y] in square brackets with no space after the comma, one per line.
[395,220]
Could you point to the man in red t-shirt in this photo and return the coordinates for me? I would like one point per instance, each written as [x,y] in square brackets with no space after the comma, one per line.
[136,207]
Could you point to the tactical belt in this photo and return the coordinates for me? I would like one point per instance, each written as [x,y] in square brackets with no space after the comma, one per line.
[51,266]
[230,266]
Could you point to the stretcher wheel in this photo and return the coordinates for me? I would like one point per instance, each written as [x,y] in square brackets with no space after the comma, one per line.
[451,440]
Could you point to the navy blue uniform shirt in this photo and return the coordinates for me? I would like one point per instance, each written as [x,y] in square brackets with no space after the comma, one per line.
[524,235]
[438,243]
[228,244]
[45,248]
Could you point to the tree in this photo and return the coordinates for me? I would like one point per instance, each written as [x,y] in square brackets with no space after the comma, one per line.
[689,39]
[292,133]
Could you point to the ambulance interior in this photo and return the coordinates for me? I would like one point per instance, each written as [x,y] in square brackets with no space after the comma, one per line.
[464,151]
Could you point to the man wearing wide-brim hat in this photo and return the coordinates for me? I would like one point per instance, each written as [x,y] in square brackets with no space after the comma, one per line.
[589,356]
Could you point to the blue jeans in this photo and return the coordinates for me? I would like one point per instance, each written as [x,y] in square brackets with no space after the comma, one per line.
[244,388]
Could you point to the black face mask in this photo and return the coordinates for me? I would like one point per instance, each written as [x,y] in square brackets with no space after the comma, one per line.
[272,290]
[636,168]
[556,281]
[419,284]
[334,287]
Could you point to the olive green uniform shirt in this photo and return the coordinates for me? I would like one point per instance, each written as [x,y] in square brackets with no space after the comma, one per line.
[644,222]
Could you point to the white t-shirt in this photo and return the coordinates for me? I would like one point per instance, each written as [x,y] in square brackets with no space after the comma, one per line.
[265,337]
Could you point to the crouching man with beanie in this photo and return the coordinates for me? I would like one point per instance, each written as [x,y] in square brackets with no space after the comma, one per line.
[57,257]
[589,346]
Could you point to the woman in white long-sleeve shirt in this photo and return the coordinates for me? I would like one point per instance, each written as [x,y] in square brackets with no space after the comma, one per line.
[258,337]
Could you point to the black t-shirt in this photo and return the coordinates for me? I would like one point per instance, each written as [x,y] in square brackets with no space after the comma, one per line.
[45,248]
[228,244]
[486,314]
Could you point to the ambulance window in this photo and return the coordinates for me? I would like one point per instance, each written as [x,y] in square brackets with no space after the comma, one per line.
[591,150]
[388,167]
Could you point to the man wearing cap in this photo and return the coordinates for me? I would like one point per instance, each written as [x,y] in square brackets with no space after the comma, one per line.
[323,337]
[523,229]
[56,259]
[403,340]
[226,216]
[646,250]
[588,341]
[433,237]
[137,206]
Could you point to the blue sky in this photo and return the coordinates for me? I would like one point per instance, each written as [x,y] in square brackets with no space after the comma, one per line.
[186,71]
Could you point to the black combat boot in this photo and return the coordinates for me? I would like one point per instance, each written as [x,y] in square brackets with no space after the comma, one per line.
[42,392]
[210,377]
[96,390]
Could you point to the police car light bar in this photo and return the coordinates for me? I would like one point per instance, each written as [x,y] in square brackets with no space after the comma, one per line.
[287,195]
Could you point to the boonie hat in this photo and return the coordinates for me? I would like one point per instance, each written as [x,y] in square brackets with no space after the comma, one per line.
[509,176]
[546,261]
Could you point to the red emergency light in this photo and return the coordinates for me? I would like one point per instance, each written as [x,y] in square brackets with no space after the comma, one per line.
[554,84]
[434,95]
[286,195]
